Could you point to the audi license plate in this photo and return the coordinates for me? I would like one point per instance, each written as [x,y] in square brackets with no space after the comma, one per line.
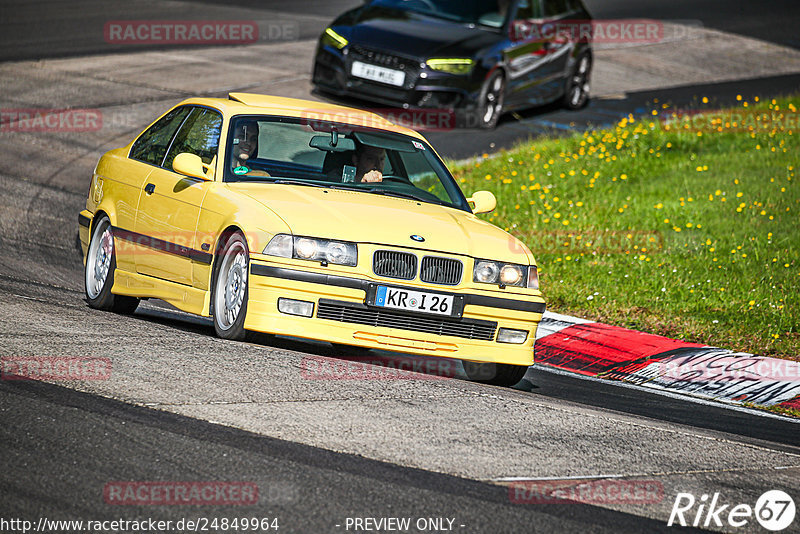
[378,74]
[418,301]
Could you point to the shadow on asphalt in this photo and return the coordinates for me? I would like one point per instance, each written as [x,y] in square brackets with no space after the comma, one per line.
[341,362]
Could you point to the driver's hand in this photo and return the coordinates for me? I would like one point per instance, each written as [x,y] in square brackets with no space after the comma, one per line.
[373,176]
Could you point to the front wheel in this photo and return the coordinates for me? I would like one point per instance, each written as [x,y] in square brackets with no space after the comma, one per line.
[576,90]
[101,262]
[231,288]
[489,107]
[496,374]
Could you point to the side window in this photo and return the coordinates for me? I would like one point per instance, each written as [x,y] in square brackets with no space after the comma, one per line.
[199,135]
[153,143]
[555,8]
[529,9]
[422,175]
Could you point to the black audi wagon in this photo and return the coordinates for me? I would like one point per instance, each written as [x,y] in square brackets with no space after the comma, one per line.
[478,57]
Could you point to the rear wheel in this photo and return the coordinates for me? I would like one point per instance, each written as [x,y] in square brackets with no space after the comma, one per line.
[101,261]
[576,91]
[496,374]
[490,102]
[229,299]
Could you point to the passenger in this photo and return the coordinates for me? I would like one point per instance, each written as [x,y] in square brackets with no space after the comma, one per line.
[245,147]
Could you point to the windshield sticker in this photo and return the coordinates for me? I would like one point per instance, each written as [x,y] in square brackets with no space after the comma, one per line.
[418,145]
[241,170]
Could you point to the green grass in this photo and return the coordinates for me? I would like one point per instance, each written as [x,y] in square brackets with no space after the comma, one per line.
[690,231]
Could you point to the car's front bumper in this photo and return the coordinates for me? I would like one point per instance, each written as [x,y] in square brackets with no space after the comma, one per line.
[341,315]
[423,88]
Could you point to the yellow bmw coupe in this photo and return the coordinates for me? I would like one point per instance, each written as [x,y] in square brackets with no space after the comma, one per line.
[309,220]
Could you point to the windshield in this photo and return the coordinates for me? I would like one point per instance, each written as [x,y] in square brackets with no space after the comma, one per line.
[486,12]
[313,153]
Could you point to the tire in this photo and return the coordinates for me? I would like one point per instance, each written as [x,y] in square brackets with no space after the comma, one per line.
[98,277]
[576,88]
[230,287]
[489,107]
[496,374]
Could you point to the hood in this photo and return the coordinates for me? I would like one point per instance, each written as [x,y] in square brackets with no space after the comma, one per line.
[370,218]
[417,35]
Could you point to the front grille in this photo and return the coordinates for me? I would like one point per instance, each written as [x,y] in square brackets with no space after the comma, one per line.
[443,271]
[361,314]
[383,59]
[400,265]
[388,60]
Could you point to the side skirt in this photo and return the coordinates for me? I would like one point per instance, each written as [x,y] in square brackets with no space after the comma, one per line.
[188,299]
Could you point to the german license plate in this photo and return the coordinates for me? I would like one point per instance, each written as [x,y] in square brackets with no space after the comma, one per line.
[378,74]
[418,301]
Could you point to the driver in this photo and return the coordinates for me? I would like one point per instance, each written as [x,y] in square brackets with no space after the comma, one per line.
[245,146]
[369,162]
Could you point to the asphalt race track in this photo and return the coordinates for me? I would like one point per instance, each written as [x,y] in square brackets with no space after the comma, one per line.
[183,405]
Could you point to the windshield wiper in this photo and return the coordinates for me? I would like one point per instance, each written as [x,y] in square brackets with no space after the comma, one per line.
[398,194]
[297,182]
[373,190]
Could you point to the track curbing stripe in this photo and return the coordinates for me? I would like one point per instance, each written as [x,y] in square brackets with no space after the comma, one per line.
[608,352]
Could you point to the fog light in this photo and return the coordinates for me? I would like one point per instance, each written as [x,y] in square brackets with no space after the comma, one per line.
[296,307]
[508,335]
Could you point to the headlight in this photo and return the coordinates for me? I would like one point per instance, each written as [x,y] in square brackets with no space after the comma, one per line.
[333,39]
[506,274]
[305,248]
[313,249]
[451,65]
[486,272]
[511,275]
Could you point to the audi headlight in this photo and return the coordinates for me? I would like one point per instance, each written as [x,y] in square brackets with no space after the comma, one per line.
[333,39]
[505,274]
[313,249]
[451,65]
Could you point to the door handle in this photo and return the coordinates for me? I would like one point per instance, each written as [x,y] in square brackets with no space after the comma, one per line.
[150,189]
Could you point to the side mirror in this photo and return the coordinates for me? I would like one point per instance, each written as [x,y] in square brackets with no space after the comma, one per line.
[191,165]
[484,202]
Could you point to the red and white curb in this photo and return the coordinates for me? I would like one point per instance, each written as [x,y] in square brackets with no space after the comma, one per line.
[614,353]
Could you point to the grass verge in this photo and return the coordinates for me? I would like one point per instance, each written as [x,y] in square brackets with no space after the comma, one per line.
[685,225]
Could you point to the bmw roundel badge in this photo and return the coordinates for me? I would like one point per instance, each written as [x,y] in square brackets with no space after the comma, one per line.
[418,238]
